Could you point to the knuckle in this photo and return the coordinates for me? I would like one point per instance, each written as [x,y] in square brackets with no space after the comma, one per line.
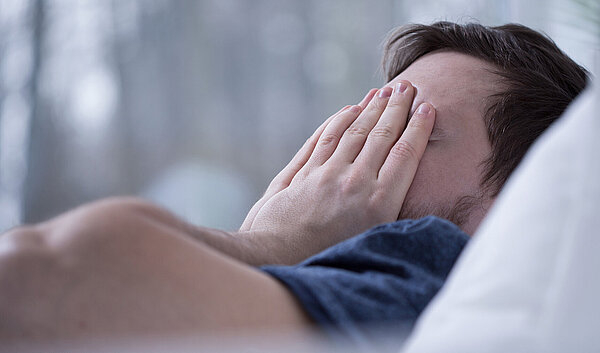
[352,183]
[378,104]
[376,200]
[397,102]
[357,130]
[384,131]
[331,172]
[404,150]
[326,176]
[328,139]
[418,124]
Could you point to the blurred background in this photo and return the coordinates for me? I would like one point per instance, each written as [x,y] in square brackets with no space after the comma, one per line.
[197,104]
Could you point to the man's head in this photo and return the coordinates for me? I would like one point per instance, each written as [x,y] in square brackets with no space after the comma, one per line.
[495,89]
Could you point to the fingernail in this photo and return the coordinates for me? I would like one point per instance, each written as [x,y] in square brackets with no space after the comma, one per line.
[355,108]
[385,92]
[424,108]
[400,87]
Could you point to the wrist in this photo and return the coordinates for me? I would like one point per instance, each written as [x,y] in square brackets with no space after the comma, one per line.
[281,247]
[263,247]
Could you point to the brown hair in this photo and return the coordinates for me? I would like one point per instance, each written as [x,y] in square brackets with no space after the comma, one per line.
[537,81]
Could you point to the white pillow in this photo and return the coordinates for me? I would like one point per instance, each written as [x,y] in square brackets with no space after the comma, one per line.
[529,281]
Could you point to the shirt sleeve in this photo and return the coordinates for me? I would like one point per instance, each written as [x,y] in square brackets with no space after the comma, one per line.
[384,276]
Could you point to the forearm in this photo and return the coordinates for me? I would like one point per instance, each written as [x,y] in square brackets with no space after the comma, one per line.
[251,248]
[254,248]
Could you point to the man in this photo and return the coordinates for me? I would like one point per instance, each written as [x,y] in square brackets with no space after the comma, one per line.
[476,96]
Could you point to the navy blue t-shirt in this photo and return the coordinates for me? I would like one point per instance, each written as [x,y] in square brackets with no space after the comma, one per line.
[384,276]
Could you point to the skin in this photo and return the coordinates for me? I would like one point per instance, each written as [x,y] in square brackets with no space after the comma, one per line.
[452,165]
[123,266]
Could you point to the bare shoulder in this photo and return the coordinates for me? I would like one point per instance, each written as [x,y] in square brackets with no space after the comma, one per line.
[115,268]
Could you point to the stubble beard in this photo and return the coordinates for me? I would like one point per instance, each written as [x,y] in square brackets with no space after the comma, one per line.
[458,212]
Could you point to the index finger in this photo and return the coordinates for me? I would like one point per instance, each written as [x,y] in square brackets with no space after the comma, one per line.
[400,166]
[283,179]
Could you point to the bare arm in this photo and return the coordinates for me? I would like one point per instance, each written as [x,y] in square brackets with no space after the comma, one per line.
[123,266]
[116,268]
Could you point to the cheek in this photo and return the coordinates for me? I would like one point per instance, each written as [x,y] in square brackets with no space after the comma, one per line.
[443,177]
[429,187]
